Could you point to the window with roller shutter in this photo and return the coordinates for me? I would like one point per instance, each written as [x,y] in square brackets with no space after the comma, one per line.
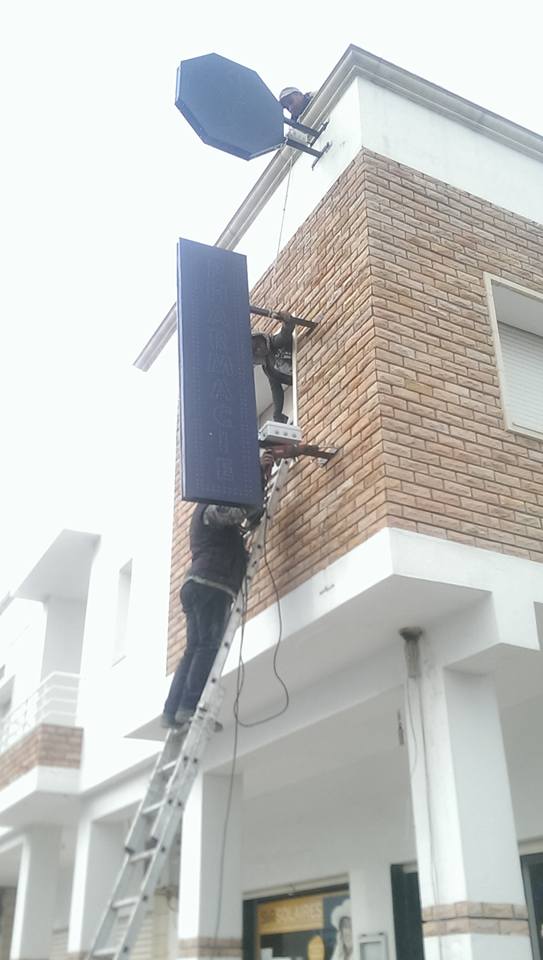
[517,320]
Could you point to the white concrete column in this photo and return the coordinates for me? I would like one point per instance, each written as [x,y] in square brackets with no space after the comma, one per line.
[99,854]
[36,893]
[210,880]
[469,869]
[371,901]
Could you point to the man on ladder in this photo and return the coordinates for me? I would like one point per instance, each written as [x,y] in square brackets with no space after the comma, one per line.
[212,582]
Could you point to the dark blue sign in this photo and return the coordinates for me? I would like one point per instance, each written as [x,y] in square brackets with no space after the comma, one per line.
[229,106]
[219,433]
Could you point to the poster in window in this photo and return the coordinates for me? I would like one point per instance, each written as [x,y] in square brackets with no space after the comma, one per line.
[310,927]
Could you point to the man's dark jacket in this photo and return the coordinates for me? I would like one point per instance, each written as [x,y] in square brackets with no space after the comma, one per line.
[218,552]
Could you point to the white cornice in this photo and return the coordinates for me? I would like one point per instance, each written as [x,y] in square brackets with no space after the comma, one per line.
[355,62]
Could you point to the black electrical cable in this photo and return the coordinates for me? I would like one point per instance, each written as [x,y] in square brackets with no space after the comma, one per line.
[241,665]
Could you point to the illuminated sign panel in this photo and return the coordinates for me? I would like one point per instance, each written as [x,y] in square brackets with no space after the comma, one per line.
[219,433]
[229,106]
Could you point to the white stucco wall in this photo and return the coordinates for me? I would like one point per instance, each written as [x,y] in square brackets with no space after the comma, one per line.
[22,637]
[139,529]
[372,116]
[64,636]
[450,151]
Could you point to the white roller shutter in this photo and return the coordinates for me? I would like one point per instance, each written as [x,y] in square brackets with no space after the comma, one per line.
[522,354]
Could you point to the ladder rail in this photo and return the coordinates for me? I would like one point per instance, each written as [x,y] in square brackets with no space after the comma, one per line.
[168,796]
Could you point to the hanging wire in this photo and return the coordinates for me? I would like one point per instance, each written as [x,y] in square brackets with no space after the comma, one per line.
[241,664]
[283,214]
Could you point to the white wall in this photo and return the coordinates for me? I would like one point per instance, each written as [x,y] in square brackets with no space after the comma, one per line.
[64,636]
[22,636]
[424,139]
[139,528]
[64,897]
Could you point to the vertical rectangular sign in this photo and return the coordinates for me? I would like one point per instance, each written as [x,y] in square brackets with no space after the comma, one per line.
[219,432]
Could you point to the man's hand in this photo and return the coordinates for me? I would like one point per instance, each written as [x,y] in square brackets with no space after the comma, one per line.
[266,462]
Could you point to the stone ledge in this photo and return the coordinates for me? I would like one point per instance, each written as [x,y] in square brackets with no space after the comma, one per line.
[475,909]
[209,947]
[502,919]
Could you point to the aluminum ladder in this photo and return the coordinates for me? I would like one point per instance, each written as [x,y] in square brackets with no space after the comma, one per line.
[159,814]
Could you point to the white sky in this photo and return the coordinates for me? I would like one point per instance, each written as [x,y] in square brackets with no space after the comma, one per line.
[100,174]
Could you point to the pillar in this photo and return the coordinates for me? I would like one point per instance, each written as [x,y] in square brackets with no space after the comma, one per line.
[205,855]
[472,896]
[36,894]
[371,900]
[98,858]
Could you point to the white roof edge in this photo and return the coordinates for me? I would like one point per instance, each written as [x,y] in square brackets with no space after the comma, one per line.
[354,62]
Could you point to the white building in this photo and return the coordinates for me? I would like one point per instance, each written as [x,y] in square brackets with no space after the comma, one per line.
[417,236]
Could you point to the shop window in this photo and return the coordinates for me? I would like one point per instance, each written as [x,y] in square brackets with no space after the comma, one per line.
[313,925]
[517,320]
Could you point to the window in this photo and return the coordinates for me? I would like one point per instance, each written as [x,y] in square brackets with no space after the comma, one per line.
[123,603]
[517,320]
[263,389]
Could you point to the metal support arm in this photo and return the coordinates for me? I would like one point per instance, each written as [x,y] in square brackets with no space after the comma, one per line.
[298,145]
[282,315]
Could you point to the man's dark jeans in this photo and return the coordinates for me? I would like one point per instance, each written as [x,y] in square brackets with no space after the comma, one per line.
[206,609]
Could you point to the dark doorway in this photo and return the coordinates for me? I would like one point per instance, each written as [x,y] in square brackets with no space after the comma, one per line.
[407,913]
[532,871]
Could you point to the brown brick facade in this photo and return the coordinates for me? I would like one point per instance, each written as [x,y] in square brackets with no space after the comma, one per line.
[400,374]
[49,745]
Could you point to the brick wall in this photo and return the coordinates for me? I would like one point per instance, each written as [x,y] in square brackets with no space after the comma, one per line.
[48,745]
[400,375]
[452,469]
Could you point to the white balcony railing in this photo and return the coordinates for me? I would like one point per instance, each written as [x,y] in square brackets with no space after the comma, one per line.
[54,701]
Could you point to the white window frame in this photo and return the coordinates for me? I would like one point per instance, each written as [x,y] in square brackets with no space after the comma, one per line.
[489,280]
[293,389]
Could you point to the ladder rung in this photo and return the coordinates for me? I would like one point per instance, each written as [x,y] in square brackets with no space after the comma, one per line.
[168,766]
[152,807]
[104,952]
[127,902]
[143,855]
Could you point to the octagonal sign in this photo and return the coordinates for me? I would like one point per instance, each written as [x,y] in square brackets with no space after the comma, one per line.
[229,106]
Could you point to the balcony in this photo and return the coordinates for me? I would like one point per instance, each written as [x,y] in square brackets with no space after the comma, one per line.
[40,753]
[53,703]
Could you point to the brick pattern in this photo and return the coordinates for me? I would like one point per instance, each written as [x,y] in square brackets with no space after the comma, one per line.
[324,270]
[401,375]
[49,745]
[504,919]
[452,469]
[209,947]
